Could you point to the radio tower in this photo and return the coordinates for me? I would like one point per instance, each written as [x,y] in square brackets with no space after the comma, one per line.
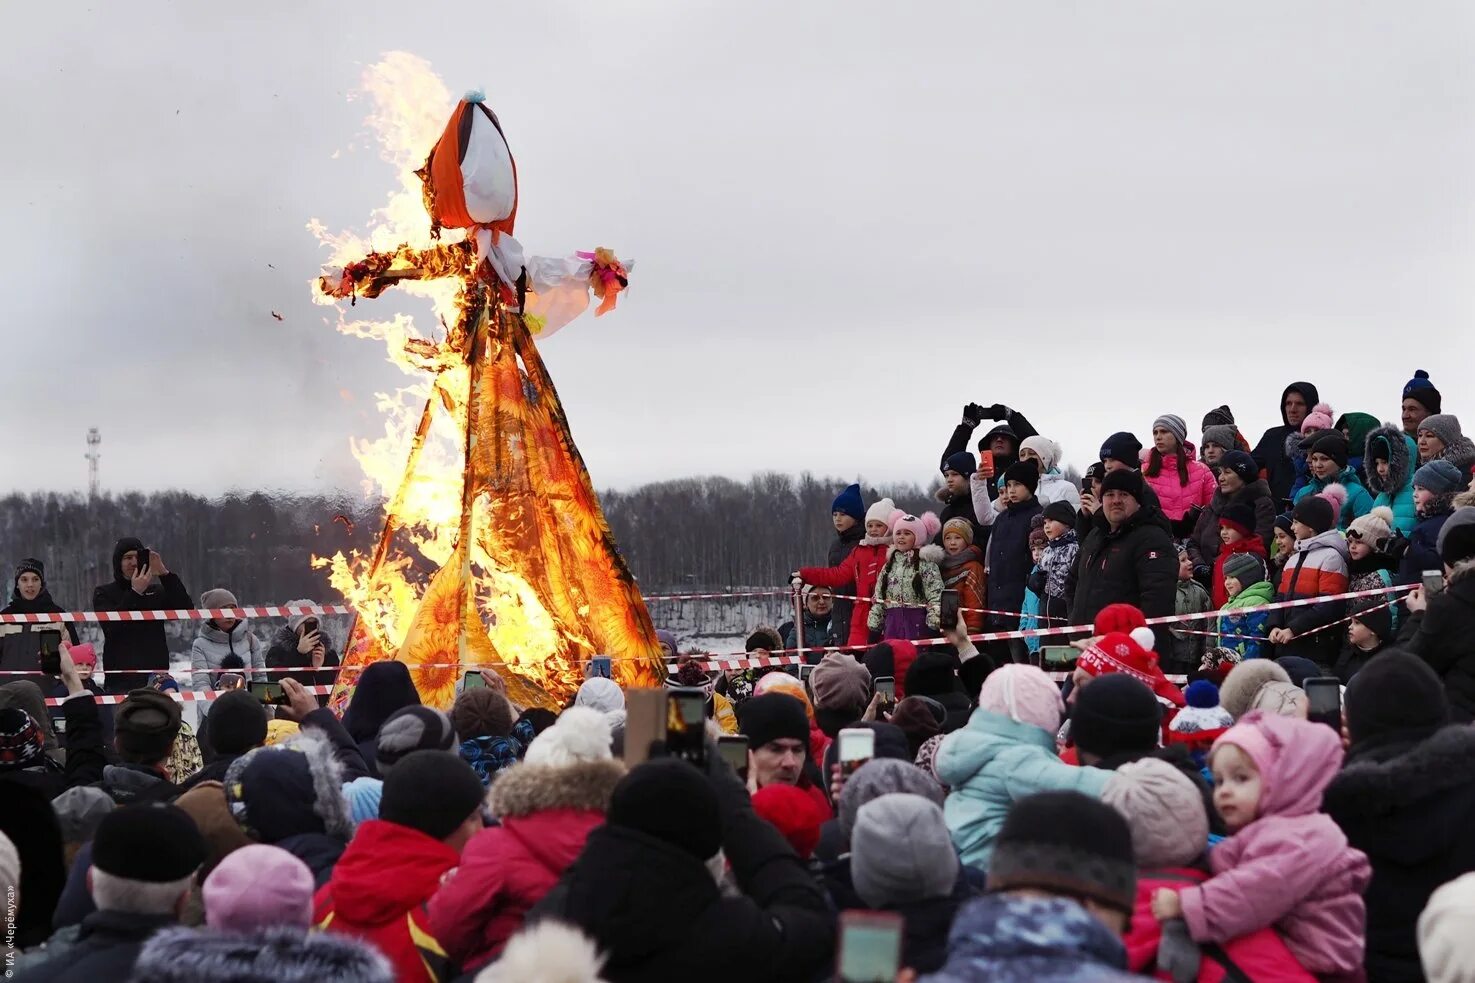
[94,455]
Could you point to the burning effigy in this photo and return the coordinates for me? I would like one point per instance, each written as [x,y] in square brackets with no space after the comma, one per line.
[494,553]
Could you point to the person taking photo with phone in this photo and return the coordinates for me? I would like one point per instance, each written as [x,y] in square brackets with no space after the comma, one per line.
[23,646]
[302,643]
[1440,624]
[220,638]
[132,650]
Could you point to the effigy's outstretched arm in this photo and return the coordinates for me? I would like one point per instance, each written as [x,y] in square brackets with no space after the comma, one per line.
[377,272]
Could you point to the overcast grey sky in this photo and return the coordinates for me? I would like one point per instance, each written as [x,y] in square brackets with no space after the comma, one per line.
[849,219]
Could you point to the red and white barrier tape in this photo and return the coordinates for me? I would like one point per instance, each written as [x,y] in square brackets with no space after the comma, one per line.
[183,696]
[182,614]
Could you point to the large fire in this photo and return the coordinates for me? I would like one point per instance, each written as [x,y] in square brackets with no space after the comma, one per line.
[497,557]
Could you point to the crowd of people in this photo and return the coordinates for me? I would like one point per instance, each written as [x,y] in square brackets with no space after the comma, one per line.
[1010,827]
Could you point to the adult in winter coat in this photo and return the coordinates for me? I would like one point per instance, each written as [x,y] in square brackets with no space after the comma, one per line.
[1317,568]
[546,807]
[1357,427]
[1436,494]
[819,605]
[645,890]
[848,514]
[220,637]
[1326,454]
[302,642]
[430,809]
[1441,439]
[1406,798]
[1270,453]
[20,645]
[859,569]
[1239,484]
[1054,486]
[1183,483]
[1441,627]
[1388,460]
[1001,441]
[954,495]
[1128,557]
[141,582]
[383,689]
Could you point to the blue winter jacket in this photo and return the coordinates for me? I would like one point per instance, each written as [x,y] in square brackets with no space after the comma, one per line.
[1003,939]
[992,762]
[1398,491]
[1359,502]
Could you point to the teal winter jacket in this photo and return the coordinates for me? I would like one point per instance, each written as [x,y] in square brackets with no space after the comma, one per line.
[1359,502]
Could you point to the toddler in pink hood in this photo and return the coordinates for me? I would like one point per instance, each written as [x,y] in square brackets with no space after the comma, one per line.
[1286,863]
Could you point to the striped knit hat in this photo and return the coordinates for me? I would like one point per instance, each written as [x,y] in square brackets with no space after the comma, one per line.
[21,741]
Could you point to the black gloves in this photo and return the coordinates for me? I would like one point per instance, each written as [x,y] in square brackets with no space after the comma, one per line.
[998,411]
[973,414]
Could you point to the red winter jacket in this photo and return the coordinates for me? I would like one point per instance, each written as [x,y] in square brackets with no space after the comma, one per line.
[547,811]
[1257,955]
[1254,545]
[863,566]
[378,892]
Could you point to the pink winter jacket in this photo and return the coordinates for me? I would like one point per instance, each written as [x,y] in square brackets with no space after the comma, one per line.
[1292,867]
[1176,498]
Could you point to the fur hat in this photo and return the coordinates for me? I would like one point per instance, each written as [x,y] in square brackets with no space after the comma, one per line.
[924,527]
[963,463]
[881,512]
[900,851]
[1047,450]
[1456,542]
[1025,473]
[1164,810]
[1375,528]
[546,952]
[580,734]
[258,886]
[1321,511]
[762,637]
[1239,517]
[1024,694]
[1439,476]
[1220,434]
[1421,389]
[961,526]
[1122,446]
[1445,426]
[1332,443]
[849,502]
[1320,418]
[1174,424]
[1066,843]
[1247,568]
[1244,682]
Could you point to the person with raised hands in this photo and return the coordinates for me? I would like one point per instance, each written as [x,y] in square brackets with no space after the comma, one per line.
[141,582]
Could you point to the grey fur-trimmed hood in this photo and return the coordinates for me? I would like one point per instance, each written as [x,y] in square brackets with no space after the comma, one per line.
[1369,788]
[186,955]
[525,789]
[325,771]
[1400,460]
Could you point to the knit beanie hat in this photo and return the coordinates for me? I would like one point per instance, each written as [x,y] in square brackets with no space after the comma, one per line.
[881,512]
[1241,464]
[1038,539]
[605,695]
[1061,511]
[839,682]
[962,462]
[1375,528]
[1047,450]
[1395,695]
[1069,843]
[1200,723]
[1440,477]
[849,502]
[901,851]
[1243,684]
[794,813]
[1320,418]
[257,887]
[1095,471]
[671,801]
[218,597]
[1332,443]
[1174,424]
[237,723]
[1219,416]
[1283,523]
[30,565]
[154,843]
[961,526]
[1024,694]
[1446,945]
[878,777]
[1320,511]
[919,718]
[481,712]
[1125,480]
[84,655]
[924,527]
[1456,542]
[417,728]
[363,795]
[1421,389]
[579,735]
[80,810]
[146,724]
[1247,568]
[435,792]
[1121,618]
[772,717]
[1220,434]
[1375,615]
[1239,517]
[1115,713]
[1122,446]
[935,673]
[1445,426]
[1164,810]
[1114,652]
[22,744]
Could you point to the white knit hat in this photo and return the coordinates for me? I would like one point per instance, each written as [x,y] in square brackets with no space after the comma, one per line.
[1375,528]
[1047,449]
[1164,810]
[1446,945]
[579,734]
[881,512]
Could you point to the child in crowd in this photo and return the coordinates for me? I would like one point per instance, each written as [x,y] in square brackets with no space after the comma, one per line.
[1319,419]
[1373,626]
[1245,587]
[962,571]
[1435,486]
[1326,462]
[1237,536]
[1184,485]
[861,567]
[1201,723]
[1282,544]
[1034,588]
[1286,863]
[1188,637]
[1056,562]
[1389,463]
[1009,560]
[909,586]
[1053,486]
[1317,568]
[1368,562]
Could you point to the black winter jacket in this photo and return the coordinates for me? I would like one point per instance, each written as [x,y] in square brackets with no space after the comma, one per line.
[105,948]
[1137,564]
[1270,452]
[1013,425]
[1444,637]
[1409,806]
[1204,546]
[1009,562]
[136,646]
